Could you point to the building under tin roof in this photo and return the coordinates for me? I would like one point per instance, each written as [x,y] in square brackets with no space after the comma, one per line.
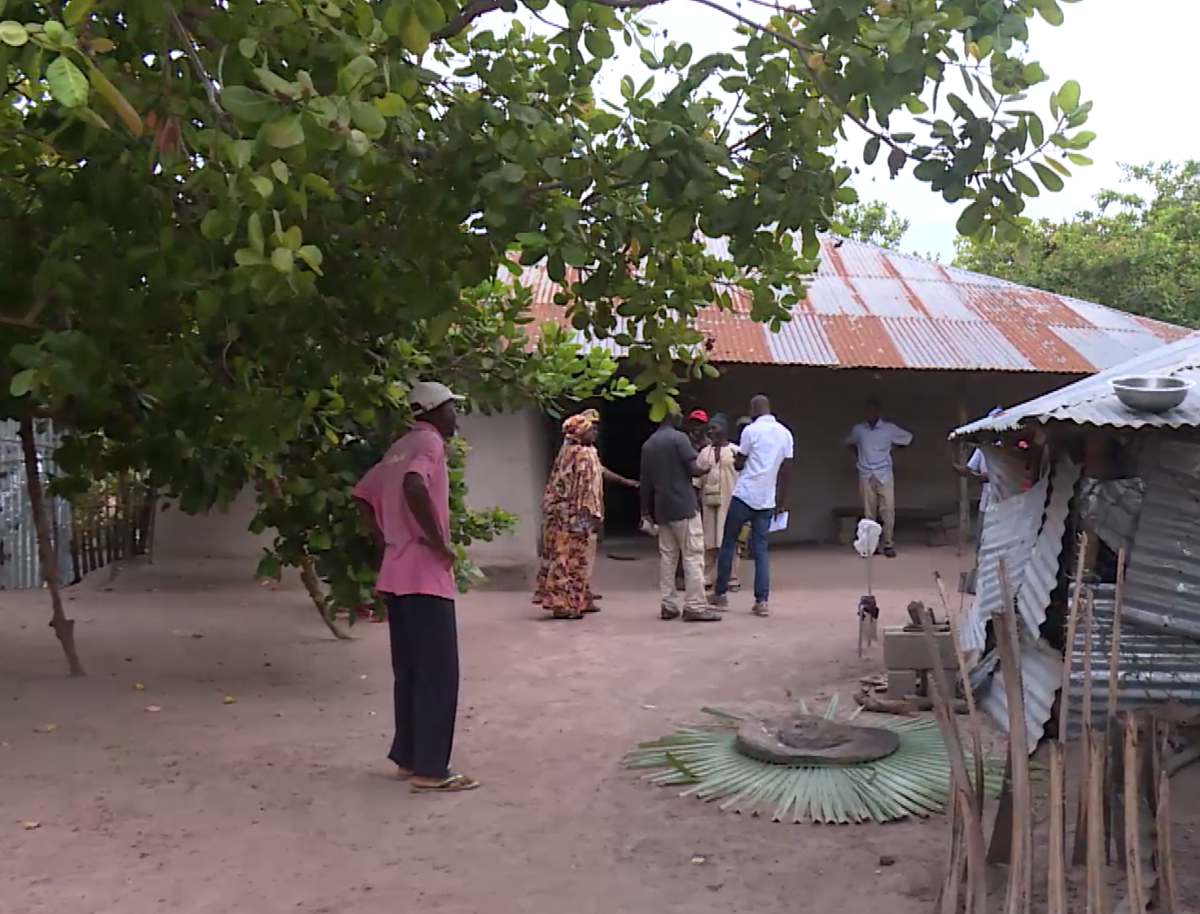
[868,307]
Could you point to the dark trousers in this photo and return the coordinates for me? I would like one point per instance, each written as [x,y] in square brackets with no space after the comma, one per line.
[424,638]
[738,516]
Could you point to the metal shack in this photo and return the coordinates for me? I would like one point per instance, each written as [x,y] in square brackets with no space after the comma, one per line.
[1080,459]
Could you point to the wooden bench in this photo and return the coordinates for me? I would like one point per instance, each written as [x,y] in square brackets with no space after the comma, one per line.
[940,524]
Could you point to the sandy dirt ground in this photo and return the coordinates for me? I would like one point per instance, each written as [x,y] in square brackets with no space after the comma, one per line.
[282,801]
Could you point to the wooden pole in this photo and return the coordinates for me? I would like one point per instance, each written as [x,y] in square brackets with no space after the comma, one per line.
[64,628]
[1114,809]
[1020,866]
[964,505]
[1057,871]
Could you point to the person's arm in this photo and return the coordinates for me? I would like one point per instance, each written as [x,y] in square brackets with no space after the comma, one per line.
[687,455]
[367,513]
[851,442]
[783,481]
[744,446]
[609,476]
[647,489]
[416,496]
[901,437]
[974,467]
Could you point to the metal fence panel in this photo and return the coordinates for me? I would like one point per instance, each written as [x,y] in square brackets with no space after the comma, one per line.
[20,566]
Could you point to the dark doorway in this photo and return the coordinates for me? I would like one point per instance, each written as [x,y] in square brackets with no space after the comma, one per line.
[624,426]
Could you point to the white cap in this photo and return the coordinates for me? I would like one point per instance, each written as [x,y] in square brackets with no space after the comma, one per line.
[427,396]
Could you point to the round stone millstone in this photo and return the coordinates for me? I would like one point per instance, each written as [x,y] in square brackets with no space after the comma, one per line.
[811,740]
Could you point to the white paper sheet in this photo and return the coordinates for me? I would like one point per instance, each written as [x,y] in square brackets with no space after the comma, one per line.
[778,522]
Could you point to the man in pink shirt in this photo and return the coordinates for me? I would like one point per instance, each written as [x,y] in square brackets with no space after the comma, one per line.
[405,502]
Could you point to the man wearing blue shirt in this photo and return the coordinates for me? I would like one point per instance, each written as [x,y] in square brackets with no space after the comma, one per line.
[872,442]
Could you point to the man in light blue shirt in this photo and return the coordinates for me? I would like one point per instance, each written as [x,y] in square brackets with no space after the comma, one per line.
[872,443]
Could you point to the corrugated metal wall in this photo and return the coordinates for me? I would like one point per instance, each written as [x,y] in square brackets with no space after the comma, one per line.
[1152,666]
[1162,581]
[19,564]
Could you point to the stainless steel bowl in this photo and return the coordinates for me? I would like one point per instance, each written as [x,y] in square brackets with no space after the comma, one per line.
[1151,394]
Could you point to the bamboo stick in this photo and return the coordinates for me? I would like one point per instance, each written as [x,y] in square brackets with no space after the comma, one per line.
[1056,890]
[1114,829]
[959,780]
[1020,868]
[1168,900]
[1069,654]
[1133,861]
[1082,825]
[969,696]
[1097,886]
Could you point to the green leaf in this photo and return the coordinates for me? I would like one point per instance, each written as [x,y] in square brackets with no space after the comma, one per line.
[22,382]
[1050,11]
[391,105]
[1037,132]
[293,238]
[247,257]
[1025,184]
[512,173]
[356,73]
[871,150]
[216,226]
[1076,158]
[599,43]
[54,31]
[367,118]
[13,34]
[276,84]
[263,185]
[254,232]
[285,132]
[431,15]
[248,104]
[66,82]
[280,171]
[1068,96]
[311,255]
[247,47]
[283,260]
[971,218]
[413,35]
[76,11]
[1048,177]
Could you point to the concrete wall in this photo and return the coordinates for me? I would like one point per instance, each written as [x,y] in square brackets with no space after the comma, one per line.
[215,535]
[507,468]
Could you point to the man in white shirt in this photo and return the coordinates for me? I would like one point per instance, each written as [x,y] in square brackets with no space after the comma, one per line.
[764,462]
[872,442]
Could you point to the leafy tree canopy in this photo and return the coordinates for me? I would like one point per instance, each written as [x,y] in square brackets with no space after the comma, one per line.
[873,222]
[1135,251]
[234,232]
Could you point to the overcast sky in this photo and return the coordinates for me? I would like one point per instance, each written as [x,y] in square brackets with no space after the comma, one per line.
[1122,54]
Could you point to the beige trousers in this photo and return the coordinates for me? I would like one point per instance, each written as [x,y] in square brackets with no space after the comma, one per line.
[682,538]
[879,502]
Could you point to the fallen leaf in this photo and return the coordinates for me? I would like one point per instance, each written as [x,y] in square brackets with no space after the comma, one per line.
[45,728]
[153,709]
[139,687]
[698,860]
[30,826]
[229,699]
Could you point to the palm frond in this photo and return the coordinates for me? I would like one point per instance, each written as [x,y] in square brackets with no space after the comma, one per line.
[912,781]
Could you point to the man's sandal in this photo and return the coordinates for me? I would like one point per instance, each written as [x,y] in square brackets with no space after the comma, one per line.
[456,783]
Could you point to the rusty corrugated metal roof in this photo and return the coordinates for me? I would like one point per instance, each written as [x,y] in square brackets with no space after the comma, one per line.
[868,307]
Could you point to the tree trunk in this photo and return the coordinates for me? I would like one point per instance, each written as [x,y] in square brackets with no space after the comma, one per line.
[64,628]
[313,585]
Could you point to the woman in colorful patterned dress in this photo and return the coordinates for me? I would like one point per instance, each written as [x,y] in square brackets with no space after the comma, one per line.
[572,512]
